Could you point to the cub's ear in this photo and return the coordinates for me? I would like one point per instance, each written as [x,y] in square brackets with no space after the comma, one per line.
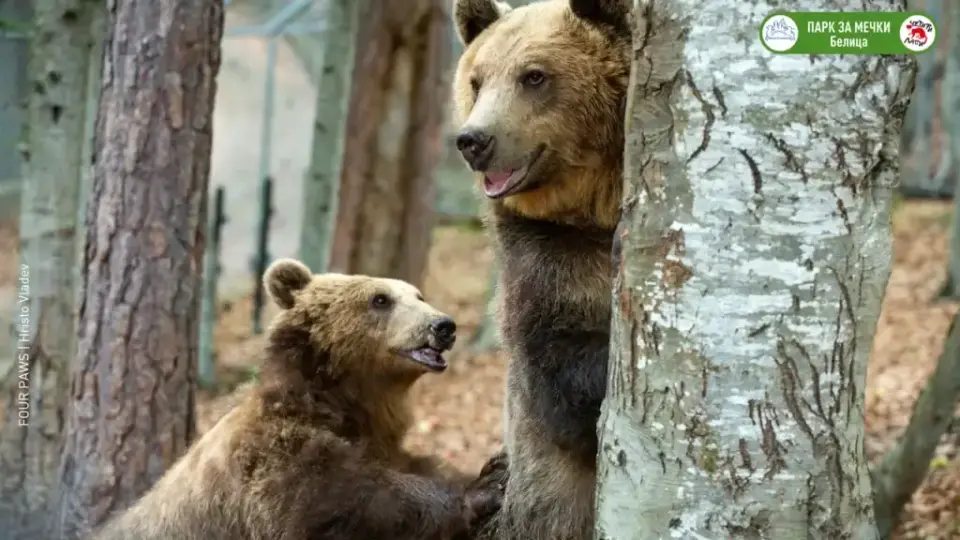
[285,277]
[474,16]
[610,15]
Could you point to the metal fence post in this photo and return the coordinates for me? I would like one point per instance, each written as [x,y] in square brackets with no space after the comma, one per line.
[206,376]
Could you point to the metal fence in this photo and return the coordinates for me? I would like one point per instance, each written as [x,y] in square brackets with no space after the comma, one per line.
[298,18]
[292,31]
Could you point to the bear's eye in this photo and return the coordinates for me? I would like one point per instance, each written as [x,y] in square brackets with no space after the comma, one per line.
[533,78]
[380,301]
[475,86]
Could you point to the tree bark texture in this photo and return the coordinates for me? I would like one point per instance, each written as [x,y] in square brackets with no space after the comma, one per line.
[755,249]
[131,386]
[35,371]
[386,194]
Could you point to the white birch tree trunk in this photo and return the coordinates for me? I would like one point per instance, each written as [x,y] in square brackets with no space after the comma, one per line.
[54,163]
[756,248]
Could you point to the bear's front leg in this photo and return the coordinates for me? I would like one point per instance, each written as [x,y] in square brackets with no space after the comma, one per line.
[565,372]
[557,383]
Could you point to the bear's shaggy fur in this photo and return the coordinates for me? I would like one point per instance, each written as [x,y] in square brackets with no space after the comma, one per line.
[314,451]
[541,93]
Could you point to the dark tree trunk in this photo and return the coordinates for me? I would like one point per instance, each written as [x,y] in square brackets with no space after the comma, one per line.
[131,409]
[398,96]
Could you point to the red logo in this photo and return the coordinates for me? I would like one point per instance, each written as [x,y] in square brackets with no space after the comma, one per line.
[918,34]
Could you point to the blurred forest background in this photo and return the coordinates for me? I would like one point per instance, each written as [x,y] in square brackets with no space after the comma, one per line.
[270,90]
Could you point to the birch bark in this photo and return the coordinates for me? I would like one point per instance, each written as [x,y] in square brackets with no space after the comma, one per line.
[755,249]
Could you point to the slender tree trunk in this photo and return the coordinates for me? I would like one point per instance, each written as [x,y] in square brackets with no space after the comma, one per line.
[386,195]
[329,132]
[901,471]
[926,174]
[755,250]
[35,381]
[951,108]
[131,387]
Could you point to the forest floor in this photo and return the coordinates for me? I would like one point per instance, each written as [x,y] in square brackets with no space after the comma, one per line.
[458,413]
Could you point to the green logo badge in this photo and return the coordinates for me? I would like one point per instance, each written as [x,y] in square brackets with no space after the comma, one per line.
[859,32]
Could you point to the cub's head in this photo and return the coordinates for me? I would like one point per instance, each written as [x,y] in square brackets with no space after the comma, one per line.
[540,91]
[347,324]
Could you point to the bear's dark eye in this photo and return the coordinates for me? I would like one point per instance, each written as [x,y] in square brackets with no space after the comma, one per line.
[380,301]
[475,86]
[533,78]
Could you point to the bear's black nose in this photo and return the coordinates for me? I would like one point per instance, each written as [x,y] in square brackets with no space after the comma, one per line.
[476,148]
[445,329]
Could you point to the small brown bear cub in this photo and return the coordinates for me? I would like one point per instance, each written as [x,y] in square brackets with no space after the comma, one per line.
[314,452]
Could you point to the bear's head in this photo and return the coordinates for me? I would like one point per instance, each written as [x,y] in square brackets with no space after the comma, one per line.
[540,91]
[351,324]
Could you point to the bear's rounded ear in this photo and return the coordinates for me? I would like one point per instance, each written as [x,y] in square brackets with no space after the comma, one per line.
[285,277]
[474,16]
[609,15]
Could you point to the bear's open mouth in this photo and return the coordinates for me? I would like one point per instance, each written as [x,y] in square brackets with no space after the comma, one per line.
[427,356]
[498,184]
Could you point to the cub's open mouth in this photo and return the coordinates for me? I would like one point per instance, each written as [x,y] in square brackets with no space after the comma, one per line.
[427,356]
[498,184]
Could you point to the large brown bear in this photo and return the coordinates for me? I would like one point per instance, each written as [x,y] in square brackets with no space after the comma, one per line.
[541,94]
[314,452]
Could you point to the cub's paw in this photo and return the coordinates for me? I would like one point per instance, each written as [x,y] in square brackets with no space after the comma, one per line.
[481,503]
[495,471]
[484,495]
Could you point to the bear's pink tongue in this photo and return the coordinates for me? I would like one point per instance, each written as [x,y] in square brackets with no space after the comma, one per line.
[430,358]
[496,182]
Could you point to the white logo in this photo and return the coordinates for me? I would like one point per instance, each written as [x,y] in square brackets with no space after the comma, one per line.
[918,33]
[779,33]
